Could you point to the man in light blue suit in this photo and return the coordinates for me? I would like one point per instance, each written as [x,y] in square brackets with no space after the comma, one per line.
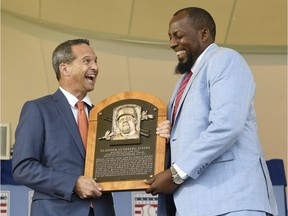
[49,155]
[217,164]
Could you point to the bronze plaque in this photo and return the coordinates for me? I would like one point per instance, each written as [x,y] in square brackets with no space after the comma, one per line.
[123,148]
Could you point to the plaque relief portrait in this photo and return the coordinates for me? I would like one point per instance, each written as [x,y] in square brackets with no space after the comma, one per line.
[126,122]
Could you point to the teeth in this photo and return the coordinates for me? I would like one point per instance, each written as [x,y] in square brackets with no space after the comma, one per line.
[91,76]
[180,52]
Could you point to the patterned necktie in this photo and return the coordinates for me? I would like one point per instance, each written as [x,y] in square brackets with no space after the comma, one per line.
[180,93]
[82,122]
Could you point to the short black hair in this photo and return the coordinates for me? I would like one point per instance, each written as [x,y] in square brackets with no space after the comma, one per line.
[200,19]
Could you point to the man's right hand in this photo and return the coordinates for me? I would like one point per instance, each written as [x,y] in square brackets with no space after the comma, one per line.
[161,183]
[86,187]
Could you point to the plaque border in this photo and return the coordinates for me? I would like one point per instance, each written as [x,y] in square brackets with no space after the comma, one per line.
[160,149]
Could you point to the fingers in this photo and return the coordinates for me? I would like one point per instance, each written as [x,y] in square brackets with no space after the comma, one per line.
[149,181]
[164,129]
[154,193]
[96,190]
[164,125]
[86,187]
[151,190]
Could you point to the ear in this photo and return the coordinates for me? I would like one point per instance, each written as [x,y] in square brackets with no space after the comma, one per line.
[204,34]
[64,69]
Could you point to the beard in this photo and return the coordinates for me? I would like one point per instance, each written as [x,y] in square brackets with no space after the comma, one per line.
[183,68]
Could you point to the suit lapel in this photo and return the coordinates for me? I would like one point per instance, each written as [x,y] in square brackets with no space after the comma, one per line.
[66,114]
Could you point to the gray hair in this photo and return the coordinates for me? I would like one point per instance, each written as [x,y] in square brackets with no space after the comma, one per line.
[63,54]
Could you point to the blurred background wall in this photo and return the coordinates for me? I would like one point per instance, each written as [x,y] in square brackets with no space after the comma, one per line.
[131,42]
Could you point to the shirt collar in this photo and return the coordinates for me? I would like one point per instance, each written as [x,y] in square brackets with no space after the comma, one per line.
[72,100]
[199,58]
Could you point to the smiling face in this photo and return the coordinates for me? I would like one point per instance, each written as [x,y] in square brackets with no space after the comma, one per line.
[187,41]
[79,76]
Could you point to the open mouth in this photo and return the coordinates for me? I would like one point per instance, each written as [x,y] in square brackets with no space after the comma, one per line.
[90,77]
[180,52]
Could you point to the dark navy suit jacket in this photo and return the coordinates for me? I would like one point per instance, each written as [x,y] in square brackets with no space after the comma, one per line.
[49,156]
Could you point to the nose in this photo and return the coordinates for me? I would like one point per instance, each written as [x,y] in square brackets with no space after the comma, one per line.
[94,66]
[173,42]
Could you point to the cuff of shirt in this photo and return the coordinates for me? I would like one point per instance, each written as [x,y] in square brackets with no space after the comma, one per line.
[181,173]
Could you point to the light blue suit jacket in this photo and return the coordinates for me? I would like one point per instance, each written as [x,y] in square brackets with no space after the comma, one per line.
[214,140]
[49,156]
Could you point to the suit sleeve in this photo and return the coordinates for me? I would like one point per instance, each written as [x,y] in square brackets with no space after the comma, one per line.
[29,157]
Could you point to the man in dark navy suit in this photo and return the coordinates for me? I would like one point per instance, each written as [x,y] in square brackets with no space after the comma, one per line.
[49,155]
